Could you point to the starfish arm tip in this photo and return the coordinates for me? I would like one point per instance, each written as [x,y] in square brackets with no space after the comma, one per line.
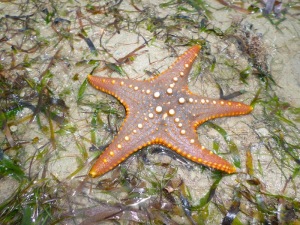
[251,108]
[232,170]
[93,173]
[197,47]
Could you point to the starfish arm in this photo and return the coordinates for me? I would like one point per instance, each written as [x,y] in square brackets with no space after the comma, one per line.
[127,91]
[133,135]
[203,109]
[180,69]
[185,143]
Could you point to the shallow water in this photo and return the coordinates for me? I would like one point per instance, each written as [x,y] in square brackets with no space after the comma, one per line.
[48,50]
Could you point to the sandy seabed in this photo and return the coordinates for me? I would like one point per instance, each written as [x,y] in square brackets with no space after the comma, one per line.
[54,46]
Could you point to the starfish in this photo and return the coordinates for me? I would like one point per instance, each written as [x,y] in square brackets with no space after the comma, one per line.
[162,110]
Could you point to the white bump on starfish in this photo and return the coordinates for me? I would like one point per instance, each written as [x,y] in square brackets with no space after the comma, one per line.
[191,100]
[148,91]
[181,74]
[165,116]
[156,94]
[171,112]
[169,90]
[182,132]
[175,79]
[150,115]
[136,88]
[140,125]
[181,100]
[126,138]
[176,120]
[172,85]
[158,109]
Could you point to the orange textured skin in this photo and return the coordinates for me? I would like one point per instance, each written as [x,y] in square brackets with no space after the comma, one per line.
[162,110]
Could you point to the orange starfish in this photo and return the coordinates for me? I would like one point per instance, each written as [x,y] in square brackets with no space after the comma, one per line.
[162,110]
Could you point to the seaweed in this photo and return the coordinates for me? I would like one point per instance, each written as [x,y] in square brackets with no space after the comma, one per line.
[53,125]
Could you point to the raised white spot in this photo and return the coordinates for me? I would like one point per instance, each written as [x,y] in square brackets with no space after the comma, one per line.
[122,83]
[165,116]
[130,85]
[136,88]
[175,79]
[180,125]
[181,74]
[202,101]
[148,91]
[182,132]
[119,146]
[214,102]
[169,90]
[126,138]
[158,109]
[222,103]
[156,94]
[134,131]
[150,115]
[186,65]
[140,125]
[192,141]
[171,112]
[176,120]
[191,100]
[207,100]
[181,100]
[172,85]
